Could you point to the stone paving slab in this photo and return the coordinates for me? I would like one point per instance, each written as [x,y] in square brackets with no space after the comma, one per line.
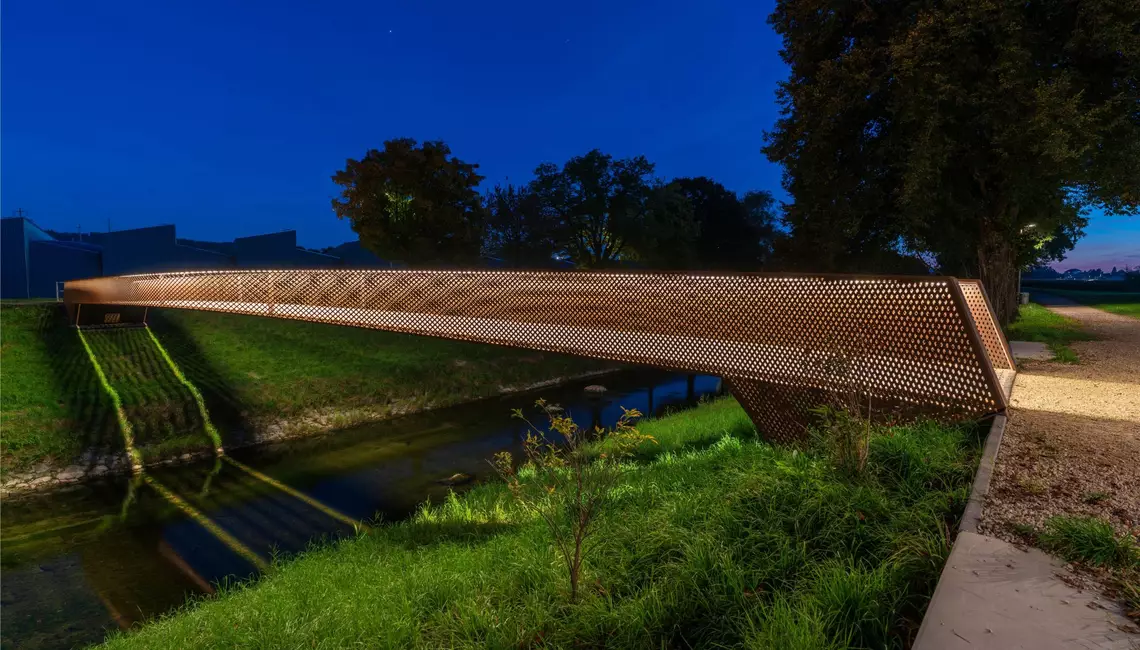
[994,595]
[1030,350]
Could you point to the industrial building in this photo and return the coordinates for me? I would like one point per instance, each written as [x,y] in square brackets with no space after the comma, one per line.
[34,260]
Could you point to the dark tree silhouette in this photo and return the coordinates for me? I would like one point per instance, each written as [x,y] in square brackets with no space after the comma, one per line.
[732,234]
[668,234]
[974,132]
[599,203]
[415,204]
[518,231]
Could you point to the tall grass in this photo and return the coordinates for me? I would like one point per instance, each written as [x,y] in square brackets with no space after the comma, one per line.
[712,538]
[1090,540]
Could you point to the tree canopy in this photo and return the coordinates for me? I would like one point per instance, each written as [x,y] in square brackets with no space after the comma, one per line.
[414,204]
[519,232]
[599,203]
[975,132]
[731,233]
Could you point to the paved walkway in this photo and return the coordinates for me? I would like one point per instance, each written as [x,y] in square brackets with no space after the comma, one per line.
[1073,431]
[996,596]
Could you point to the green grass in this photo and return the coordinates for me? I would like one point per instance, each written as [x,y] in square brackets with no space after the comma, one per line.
[1118,302]
[28,301]
[712,539]
[1095,497]
[1036,323]
[250,371]
[1089,540]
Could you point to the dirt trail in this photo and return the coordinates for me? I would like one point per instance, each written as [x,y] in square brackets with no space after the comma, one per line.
[1072,445]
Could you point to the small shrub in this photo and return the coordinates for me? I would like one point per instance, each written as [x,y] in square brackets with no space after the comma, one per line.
[1033,486]
[1091,540]
[843,434]
[1024,531]
[565,484]
[1093,498]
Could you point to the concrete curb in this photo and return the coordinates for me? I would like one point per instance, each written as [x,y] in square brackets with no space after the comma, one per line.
[972,516]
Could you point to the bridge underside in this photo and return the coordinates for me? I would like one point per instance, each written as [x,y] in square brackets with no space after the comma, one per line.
[906,347]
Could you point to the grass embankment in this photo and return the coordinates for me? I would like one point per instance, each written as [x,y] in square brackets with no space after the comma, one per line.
[1117,302]
[1036,323]
[250,372]
[713,538]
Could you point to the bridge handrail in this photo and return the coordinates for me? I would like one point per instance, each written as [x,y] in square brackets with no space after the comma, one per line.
[913,345]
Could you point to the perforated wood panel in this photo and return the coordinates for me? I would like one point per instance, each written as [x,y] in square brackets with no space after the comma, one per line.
[909,345]
[997,348]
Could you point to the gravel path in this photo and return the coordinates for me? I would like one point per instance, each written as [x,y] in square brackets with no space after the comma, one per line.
[1072,445]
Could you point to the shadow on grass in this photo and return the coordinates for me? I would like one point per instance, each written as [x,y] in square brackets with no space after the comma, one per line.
[221,397]
[162,411]
[89,410]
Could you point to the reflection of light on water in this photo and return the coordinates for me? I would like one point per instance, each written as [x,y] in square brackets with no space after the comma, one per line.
[214,529]
[172,556]
[124,425]
[206,422]
[339,516]
[367,467]
[132,493]
[210,477]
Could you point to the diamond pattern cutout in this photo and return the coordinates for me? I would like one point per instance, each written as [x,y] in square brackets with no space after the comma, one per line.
[907,346]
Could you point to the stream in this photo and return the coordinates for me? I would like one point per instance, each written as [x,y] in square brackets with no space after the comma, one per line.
[116,553]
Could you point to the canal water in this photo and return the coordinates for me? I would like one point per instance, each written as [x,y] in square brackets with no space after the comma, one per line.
[117,553]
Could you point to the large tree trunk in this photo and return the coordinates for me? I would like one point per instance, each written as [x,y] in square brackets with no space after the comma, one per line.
[997,269]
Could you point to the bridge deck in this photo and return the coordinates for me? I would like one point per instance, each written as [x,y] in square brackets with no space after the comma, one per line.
[912,346]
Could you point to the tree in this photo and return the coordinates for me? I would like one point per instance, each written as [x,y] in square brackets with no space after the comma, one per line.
[518,230]
[569,477]
[977,132]
[732,234]
[601,206]
[668,231]
[415,204]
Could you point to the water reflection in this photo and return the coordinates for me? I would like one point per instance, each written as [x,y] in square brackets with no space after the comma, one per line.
[117,553]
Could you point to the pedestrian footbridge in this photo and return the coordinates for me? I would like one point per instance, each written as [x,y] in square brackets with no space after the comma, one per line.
[900,346]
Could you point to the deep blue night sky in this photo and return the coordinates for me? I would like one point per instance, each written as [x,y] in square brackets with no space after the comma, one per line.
[227,118]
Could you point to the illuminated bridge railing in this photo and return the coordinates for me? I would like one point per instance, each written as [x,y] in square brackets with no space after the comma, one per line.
[911,346]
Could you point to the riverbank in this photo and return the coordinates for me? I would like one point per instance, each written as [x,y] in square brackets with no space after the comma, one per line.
[115,553]
[248,379]
[715,538]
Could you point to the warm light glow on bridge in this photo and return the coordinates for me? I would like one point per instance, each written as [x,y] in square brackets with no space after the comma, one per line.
[916,346]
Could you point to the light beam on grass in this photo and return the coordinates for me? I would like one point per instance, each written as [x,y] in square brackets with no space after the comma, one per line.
[124,425]
[233,543]
[211,430]
[328,510]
